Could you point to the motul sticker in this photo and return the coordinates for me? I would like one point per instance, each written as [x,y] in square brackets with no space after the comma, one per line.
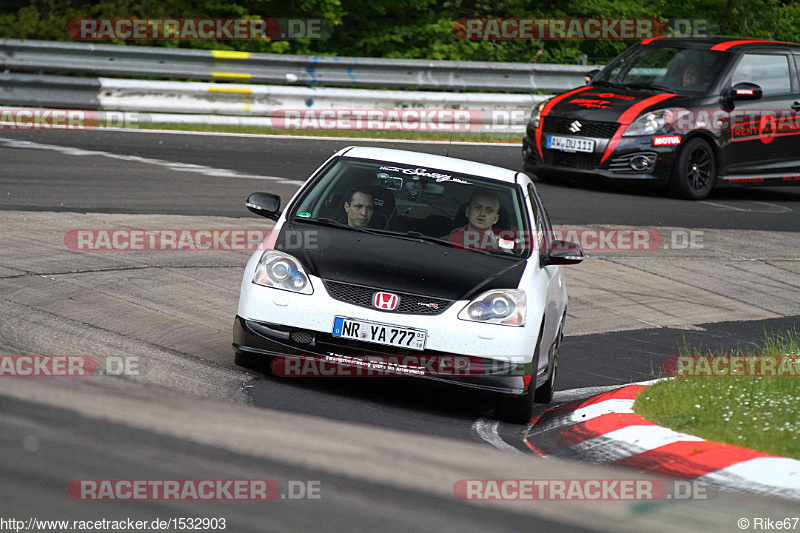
[666,140]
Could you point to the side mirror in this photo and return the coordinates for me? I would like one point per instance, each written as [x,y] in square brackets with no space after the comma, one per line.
[264,204]
[563,253]
[588,77]
[746,91]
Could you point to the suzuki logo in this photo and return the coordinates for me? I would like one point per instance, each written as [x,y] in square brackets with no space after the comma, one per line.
[385,300]
[575,127]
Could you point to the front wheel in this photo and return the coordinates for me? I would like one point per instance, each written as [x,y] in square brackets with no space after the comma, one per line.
[694,171]
[519,409]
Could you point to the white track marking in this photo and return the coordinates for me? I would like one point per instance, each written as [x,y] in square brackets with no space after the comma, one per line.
[486,429]
[778,476]
[172,165]
[313,137]
[780,208]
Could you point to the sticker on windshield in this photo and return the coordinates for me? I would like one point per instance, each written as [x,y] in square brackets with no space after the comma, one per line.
[423,172]
[304,214]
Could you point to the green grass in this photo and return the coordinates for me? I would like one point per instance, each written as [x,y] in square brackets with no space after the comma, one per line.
[368,134]
[760,413]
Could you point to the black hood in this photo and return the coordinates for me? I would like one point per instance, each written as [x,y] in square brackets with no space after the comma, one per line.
[397,264]
[604,104]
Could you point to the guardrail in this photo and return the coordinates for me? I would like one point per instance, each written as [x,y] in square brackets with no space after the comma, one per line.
[304,83]
[156,62]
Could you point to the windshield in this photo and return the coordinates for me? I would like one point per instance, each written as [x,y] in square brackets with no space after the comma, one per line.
[681,70]
[406,201]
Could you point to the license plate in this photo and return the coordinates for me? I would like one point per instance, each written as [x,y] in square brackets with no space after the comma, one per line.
[570,144]
[367,331]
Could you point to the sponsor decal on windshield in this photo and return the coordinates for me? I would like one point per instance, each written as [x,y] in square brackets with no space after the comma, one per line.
[423,172]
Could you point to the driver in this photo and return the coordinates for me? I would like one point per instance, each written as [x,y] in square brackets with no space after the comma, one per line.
[691,76]
[359,205]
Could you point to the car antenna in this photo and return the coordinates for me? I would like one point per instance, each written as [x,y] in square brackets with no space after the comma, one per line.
[447,153]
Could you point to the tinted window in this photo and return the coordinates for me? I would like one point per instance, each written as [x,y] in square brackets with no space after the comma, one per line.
[771,72]
[682,70]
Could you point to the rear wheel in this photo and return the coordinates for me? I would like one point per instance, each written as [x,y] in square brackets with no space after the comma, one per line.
[694,171]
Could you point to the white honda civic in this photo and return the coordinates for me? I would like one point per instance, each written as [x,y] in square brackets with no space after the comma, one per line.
[402,263]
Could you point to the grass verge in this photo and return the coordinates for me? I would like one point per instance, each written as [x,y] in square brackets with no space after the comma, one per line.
[366,134]
[760,413]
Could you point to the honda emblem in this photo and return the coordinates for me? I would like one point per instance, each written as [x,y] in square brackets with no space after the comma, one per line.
[385,300]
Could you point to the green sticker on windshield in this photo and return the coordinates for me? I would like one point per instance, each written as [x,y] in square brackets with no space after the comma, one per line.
[304,214]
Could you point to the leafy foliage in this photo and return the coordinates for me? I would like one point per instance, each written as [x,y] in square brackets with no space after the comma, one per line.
[420,29]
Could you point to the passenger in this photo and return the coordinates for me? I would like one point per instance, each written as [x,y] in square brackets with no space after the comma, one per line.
[482,212]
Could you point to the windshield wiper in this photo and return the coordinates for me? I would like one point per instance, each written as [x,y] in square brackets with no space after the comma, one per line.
[421,237]
[333,223]
[608,84]
[651,86]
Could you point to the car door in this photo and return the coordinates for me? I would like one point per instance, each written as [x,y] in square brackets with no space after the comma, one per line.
[765,134]
[550,278]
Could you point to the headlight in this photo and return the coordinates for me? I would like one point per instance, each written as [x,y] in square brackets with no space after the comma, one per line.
[505,307]
[536,114]
[282,271]
[657,122]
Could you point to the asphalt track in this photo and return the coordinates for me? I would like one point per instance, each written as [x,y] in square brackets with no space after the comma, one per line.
[118,186]
[176,174]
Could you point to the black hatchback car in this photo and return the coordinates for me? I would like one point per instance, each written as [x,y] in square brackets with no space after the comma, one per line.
[690,113]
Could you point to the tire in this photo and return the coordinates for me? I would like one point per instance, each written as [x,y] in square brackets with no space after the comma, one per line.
[694,171]
[544,394]
[519,409]
[261,363]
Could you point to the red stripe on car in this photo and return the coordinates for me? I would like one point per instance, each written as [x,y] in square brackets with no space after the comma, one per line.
[651,39]
[629,116]
[546,109]
[721,47]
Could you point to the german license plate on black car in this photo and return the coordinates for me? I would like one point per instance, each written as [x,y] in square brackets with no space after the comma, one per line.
[570,144]
[367,331]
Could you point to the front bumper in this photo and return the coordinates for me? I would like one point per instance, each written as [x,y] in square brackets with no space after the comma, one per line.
[274,340]
[616,166]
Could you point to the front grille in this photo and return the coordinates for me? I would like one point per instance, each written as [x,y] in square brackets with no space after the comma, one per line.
[577,160]
[558,125]
[409,303]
